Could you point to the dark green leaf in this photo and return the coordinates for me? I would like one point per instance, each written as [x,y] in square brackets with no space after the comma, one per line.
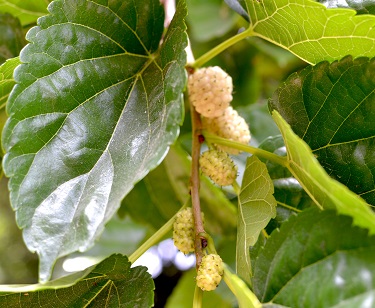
[27,11]
[325,191]
[317,259]
[331,107]
[111,283]
[97,105]
[256,207]
[361,6]
[164,190]
[12,38]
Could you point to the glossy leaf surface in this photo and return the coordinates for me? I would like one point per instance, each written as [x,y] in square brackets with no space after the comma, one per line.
[111,283]
[311,31]
[255,209]
[331,107]
[97,104]
[326,192]
[317,259]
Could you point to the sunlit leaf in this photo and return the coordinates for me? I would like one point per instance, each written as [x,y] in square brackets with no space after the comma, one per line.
[97,104]
[326,192]
[317,259]
[309,30]
[255,209]
[27,11]
[111,283]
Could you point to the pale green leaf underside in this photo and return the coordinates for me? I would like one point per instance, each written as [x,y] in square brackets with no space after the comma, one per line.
[325,191]
[255,209]
[311,31]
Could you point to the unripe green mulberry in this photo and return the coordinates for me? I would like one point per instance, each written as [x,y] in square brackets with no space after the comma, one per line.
[210,91]
[183,231]
[210,272]
[218,166]
[229,125]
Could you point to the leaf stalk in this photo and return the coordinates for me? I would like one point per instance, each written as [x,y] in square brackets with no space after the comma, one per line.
[221,47]
[247,148]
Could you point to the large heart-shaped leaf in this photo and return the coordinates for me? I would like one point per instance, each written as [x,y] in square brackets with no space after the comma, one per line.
[256,207]
[331,107]
[310,30]
[317,259]
[326,192]
[98,102]
[111,283]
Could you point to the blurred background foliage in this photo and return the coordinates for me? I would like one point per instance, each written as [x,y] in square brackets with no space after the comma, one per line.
[257,68]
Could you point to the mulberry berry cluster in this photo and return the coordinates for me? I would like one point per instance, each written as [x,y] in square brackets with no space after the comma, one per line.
[183,231]
[210,91]
[210,272]
[218,166]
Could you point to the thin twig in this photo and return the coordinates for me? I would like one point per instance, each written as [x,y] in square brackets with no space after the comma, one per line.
[195,182]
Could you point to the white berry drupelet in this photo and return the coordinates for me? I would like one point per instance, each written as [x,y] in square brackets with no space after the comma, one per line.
[210,91]
[229,125]
[183,231]
[219,167]
[210,272]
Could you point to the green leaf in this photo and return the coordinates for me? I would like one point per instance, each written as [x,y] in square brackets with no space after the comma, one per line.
[97,104]
[26,11]
[6,84]
[331,107]
[183,293]
[325,191]
[245,298]
[12,38]
[164,190]
[209,19]
[317,259]
[256,207]
[311,31]
[361,6]
[6,80]
[111,283]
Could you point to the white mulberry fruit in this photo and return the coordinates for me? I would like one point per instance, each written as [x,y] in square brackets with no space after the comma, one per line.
[210,91]
[219,167]
[210,272]
[183,231]
[229,125]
